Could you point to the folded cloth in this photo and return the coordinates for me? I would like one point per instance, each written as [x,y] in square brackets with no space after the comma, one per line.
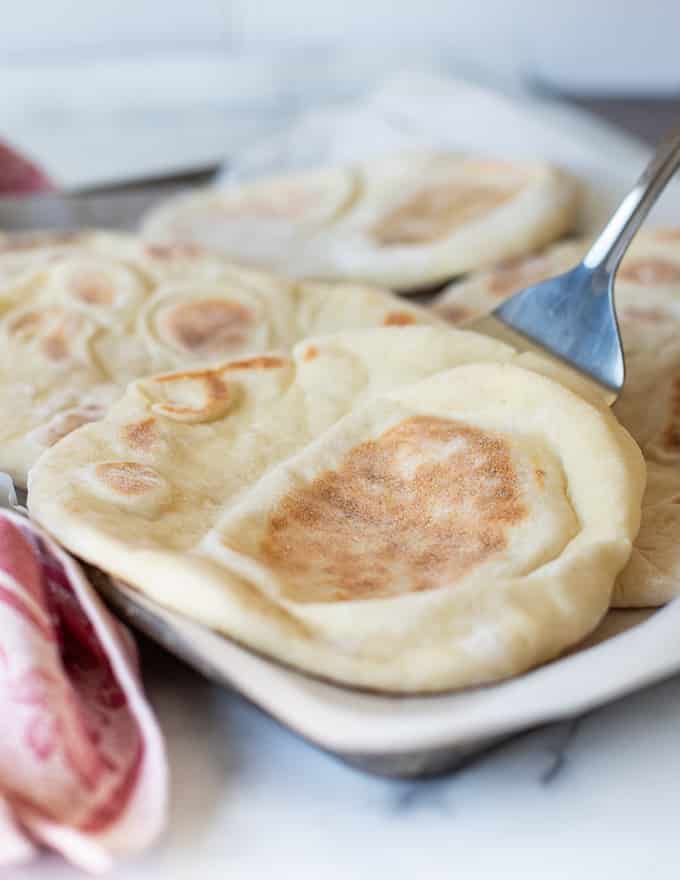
[19,176]
[82,761]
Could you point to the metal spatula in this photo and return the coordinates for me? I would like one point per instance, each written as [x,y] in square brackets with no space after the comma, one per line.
[572,316]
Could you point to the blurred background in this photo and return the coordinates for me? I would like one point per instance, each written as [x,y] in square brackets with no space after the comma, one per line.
[102,90]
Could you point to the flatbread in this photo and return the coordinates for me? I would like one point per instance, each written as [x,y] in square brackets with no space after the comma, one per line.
[410,510]
[82,314]
[406,221]
[648,306]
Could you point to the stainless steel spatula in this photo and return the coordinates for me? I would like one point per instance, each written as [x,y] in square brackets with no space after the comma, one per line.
[572,317]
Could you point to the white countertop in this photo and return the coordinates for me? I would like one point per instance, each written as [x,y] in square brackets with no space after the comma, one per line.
[249,799]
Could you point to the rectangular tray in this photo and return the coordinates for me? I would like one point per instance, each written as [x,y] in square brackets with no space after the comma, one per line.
[420,736]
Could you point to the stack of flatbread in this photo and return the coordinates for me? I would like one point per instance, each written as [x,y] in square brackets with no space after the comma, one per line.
[406,221]
[411,509]
[322,471]
[82,314]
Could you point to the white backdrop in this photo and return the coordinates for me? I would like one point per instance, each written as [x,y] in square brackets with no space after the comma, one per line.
[101,89]
[613,44]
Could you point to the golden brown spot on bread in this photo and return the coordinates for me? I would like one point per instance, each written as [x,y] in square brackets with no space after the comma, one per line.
[170,251]
[670,436]
[670,439]
[210,327]
[53,328]
[416,509]
[260,362]
[650,271]
[455,313]
[540,477]
[215,400]
[200,374]
[55,345]
[141,435]
[128,478]
[434,212]
[25,325]
[64,423]
[29,241]
[666,234]
[311,353]
[398,319]
[513,275]
[93,288]
[675,395]
[652,316]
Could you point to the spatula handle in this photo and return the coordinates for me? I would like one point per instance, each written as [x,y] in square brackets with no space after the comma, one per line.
[609,247]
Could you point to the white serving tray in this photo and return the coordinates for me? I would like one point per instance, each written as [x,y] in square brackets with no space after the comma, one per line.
[414,736]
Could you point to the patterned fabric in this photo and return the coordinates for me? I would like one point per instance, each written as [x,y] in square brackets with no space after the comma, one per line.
[82,761]
[20,176]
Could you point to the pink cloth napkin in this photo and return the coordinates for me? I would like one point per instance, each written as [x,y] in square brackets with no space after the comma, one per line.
[82,761]
[20,176]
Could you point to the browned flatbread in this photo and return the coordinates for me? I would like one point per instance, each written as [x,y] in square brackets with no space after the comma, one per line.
[431,518]
[82,314]
[406,221]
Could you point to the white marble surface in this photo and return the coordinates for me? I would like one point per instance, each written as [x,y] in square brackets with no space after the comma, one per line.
[585,800]
[622,48]
[90,119]
[597,798]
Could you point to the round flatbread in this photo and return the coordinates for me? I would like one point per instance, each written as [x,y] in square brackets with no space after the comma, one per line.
[82,314]
[406,221]
[648,306]
[437,516]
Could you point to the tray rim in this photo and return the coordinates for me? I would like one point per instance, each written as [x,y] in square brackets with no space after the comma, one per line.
[348,729]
